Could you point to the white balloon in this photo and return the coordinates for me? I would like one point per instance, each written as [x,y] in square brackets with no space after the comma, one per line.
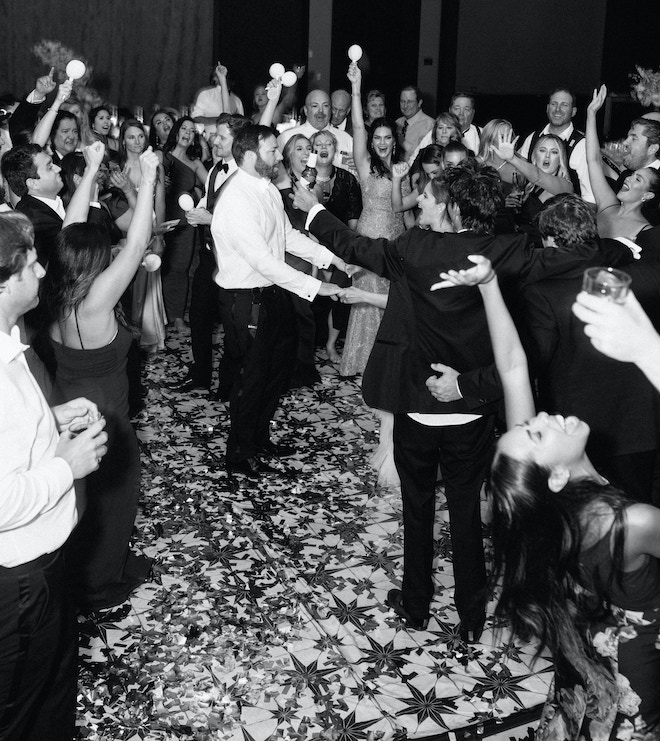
[355,52]
[151,263]
[75,69]
[289,79]
[276,70]
[186,202]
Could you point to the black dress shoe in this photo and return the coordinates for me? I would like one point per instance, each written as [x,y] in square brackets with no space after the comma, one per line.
[277,450]
[395,601]
[250,467]
[471,632]
[190,384]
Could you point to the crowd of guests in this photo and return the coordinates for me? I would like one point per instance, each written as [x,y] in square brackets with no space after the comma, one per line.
[260,223]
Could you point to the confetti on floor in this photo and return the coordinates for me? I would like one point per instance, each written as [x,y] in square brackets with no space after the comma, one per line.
[265,618]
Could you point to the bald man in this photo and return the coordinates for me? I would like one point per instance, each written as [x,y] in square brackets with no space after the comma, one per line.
[317,112]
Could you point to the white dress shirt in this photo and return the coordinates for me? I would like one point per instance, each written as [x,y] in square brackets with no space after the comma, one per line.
[209,104]
[219,180]
[38,507]
[251,233]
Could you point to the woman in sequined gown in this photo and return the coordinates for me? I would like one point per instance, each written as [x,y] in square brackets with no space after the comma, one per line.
[374,153]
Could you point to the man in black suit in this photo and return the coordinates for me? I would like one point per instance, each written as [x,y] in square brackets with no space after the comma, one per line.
[451,424]
[615,399]
[32,175]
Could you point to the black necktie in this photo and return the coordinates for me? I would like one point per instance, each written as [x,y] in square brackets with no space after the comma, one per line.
[404,128]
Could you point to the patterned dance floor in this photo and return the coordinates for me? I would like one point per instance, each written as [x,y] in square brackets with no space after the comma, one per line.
[266,616]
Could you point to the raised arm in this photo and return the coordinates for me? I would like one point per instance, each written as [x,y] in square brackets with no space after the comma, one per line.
[399,201]
[78,207]
[43,128]
[108,288]
[273,92]
[505,147]
[603,194]
[360,153]
[510,358]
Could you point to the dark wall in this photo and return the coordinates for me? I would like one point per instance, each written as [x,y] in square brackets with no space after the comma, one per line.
[142,52]
[388,32]
[252,35]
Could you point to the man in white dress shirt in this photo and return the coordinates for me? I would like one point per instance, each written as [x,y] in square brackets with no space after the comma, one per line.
[204,299]
[40,456]
[463,107]
[560,111]
[318,110]
[413,126]
[250,234]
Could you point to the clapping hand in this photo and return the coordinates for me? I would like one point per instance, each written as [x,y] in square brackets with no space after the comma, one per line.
[597,100]
[482,273]
[45,84]
[505,146]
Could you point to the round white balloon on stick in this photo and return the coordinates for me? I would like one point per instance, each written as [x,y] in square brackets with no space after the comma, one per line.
[186,202]
[75,69]
[151,263]
[289,79]
[355,52]
[276,70]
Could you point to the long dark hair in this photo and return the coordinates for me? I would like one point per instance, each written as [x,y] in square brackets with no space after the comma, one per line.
[82,252]
[538,538]
[377,164]
[194,150]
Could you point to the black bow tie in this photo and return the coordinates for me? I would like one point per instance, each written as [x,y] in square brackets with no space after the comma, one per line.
[224,167]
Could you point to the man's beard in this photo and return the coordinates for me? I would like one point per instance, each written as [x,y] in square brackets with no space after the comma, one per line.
[265,170]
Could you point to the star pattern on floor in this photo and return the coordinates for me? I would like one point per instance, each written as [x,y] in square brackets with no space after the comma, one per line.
[266,618]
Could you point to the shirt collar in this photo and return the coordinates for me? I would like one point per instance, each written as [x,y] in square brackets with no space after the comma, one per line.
[11,346]
[54,203]
[259,184]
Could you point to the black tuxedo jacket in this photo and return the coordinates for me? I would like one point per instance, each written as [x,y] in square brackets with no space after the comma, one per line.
[47,225]
[420,326]
[615,399]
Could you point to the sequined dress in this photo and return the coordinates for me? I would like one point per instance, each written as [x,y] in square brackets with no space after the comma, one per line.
[377,220]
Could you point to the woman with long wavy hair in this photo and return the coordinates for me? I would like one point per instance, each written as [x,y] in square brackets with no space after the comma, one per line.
[90,341]
[578,564]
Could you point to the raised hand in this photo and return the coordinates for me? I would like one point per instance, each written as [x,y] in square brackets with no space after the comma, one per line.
[299,69]
[597,100]
[220,70]
[45,84]
[149,164]
[63,93]
[400,170]
[273,89]
[354,74]
[482,273]
[505,145]
[93,154]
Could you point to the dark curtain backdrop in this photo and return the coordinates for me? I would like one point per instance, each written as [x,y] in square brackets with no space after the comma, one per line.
[388,32]
[252,34]
[143,51]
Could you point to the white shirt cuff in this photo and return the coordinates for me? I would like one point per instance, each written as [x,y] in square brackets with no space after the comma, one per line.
[312,213]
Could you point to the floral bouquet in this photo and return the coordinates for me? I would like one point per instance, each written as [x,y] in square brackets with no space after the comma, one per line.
[646,87]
